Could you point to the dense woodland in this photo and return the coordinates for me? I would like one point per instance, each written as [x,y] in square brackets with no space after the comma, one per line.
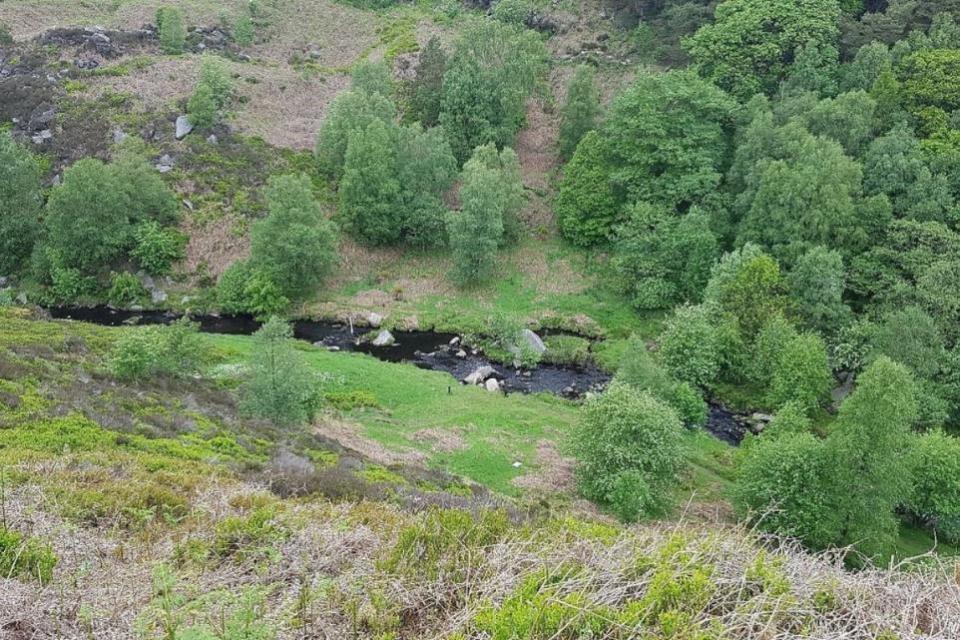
[776,185]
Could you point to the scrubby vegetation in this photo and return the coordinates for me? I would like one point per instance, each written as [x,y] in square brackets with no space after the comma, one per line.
[735,218]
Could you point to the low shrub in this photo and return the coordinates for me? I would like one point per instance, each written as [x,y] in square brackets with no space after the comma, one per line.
[243,538]
[158,247]
[125,289]
[445,542]
[174,351]
[354,399]
[25,557]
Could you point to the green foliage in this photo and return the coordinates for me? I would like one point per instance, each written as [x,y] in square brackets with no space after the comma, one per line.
[279,386]
[372,77]
[248,537]
[586,207]
[445,542]
[88,219]
[174,351]
[243,30]
[370,189]
[350,111]
[20,204]
[354,399]
[295,246]
[426,171]
[92,216]
[539,609]
[171,30]
[867,451]
[242,289]
[424,92]
[492,71]
[816,284]
[580,111]
[783,483]
[6,38]
[797,190]
[211,95]
[749,46]
[935,498]
[639,370]
[125,289]
[930,80]
[802,375]
[157,248]
[629,449]
[662,259]
[690,347]
[848,119]
[28,558]
[491,194]
[666,139]
[513,12]
[746,283]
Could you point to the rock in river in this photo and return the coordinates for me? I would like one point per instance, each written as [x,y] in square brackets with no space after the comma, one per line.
[480,375]
[384,339]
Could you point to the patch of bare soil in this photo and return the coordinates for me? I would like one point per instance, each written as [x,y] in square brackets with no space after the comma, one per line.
[214,246]
[442,440]
[554,472]
[349,436]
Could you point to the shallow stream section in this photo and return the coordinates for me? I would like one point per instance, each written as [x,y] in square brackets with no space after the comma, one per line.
[425,349]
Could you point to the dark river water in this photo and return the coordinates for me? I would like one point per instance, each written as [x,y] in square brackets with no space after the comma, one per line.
[425,349]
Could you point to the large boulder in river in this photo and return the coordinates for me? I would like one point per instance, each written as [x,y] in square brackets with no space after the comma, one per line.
[492,385]
[535,342]
[384,339]
[374,319]
[480,375]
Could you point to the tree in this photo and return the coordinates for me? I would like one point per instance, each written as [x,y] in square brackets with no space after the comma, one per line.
[751,43]
[848,119]
[802,375]
[88,219]
[350,111]
[370,189]
[580,111]
[930,80]
[783,485]
[867,450]
[746,283]
[211,95]
[372,77]
[939,292]
[629,449]
[664,259]
[477,230]
[587,209]
[639,370]
[816,284]
[935,499]
[493,69]
[171,32]
[509,194]
[279,386]
[689,346]
[425,91]
[426,172]
[666,139]
[872,59]
[799,190]
[295,246]
[20,204]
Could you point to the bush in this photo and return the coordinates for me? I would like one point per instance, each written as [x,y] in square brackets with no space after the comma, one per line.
[513,12]
[295,246]
[157,247]
[242,289]
[802,375]
[20,204]
[587,209]
[5,36]
[69,284]
[279,385]
[125,289]
[445,543]
[171,32]
[628,447]
[174,351]
[580,111]
[211,95]
[202,109]
[935,499]
[243,31]
[639,370]
[689,347]
[25,557]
